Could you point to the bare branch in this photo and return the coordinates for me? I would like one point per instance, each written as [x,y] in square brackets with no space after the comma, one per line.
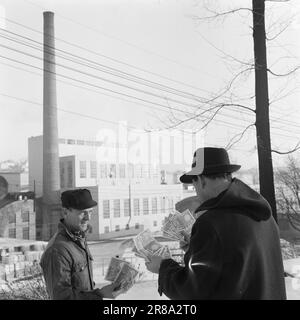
[283,74]
[225,53]
[279,33]
[297,147]
[210,120]
[220,14]
[240,135]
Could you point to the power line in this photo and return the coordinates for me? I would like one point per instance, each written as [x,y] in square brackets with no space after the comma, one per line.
[120,73]
[96,86]
[108,89]
[107,57]
[167,107]
[131,75]
[99,78]
[104,120]
[116,69]
[126,42]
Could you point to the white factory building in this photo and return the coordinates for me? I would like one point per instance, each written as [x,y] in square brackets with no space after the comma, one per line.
[131,197]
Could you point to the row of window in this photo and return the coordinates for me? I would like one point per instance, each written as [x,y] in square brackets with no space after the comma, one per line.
[25,233]
[24,216]
[117,227]
[81,142]
[114,171]
[83,169]
[137,210]
[105,171]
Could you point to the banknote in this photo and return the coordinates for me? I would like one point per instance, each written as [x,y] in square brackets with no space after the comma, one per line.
[114,268]
[146,245]
[125,278]
[178,226]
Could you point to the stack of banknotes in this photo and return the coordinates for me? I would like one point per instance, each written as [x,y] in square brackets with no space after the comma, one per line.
[178,226]
[122,274]
[145,245]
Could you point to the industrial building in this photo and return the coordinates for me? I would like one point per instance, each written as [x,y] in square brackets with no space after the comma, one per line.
[130,197]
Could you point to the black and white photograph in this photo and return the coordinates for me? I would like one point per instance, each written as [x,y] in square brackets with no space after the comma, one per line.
[161,134]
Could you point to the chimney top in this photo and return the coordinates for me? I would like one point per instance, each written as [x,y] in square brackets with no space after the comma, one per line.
[48,13]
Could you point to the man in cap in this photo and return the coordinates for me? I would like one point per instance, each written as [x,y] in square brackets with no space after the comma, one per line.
[67,261]
[234,250]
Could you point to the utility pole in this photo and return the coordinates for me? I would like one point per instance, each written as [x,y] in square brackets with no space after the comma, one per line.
[266,175]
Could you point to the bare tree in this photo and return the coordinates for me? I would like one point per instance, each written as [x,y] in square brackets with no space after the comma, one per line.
[288,191]
[208,109]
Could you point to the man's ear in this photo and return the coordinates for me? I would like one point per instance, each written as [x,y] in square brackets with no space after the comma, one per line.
[203,181]
[64,212]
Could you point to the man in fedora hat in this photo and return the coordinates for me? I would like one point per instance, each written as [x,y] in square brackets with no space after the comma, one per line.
[234,250]
[67,261]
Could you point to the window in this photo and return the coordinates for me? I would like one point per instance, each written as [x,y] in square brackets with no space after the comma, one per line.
[106,229]
[163,204]
[122,170]
[90,229]
[137,225]
[25,215]
[163,177]
[138,171]
[62,141]
[93,165]
[70,141]
[154,223]
[154,205]
[98,143]
[62,175]
[127,226]
[103,171]
[12,217]
[117,228]
[117,213]
[130,170]
[145,171]
[126,208]
[80,142]
[171,203]
[145,206]
[82,166]
[26,233]
[12,233]
[70,174]
[106,210]
[136,207]
[112,171]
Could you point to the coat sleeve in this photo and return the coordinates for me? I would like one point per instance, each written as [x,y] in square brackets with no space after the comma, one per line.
[199,277]
[57,274]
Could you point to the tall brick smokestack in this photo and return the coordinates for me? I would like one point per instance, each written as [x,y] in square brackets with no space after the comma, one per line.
[51,177]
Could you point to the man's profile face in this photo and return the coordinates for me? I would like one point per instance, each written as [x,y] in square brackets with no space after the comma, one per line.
[78,219]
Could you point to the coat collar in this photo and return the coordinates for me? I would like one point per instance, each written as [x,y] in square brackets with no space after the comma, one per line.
[77,237]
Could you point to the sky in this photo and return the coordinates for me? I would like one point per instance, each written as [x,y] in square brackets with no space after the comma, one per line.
[161,41]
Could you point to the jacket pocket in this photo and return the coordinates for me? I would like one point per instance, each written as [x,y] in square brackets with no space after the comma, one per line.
[80,276]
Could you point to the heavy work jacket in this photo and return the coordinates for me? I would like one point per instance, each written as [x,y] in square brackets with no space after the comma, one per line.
[67,267]
[234,252]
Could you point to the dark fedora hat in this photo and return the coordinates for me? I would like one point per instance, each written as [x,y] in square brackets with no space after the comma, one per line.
[208,161]
[79,199]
